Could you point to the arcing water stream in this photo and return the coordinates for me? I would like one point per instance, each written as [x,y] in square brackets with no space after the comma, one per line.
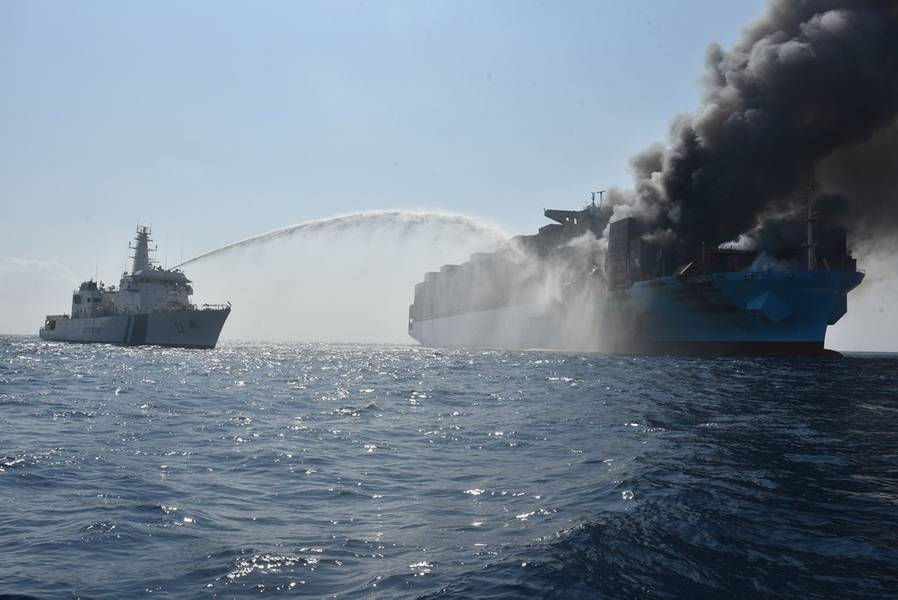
[348,278]
[404,222]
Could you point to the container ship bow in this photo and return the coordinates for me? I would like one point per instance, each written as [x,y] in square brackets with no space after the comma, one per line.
[556,290]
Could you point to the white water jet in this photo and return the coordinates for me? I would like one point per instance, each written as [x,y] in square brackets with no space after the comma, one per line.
[408,221]
[348,278]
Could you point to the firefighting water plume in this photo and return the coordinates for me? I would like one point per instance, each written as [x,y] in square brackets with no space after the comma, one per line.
[343,279]
[402,222]
[808,95]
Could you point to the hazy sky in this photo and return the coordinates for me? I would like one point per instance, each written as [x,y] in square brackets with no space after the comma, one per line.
[217,120]
[214,121]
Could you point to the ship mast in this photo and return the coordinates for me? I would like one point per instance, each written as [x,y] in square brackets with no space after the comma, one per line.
[142,260]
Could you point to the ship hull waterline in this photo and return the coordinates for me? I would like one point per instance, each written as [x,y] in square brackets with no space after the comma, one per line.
[177,328]
[725,314]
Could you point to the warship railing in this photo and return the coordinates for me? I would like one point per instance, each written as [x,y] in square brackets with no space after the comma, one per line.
[215,306]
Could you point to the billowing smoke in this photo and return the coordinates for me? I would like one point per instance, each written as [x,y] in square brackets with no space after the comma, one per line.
[809,95]
[866,178]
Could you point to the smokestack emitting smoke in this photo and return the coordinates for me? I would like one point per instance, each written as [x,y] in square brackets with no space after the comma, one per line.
[809,93]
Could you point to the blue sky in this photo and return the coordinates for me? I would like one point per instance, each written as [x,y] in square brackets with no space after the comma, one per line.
[217,120]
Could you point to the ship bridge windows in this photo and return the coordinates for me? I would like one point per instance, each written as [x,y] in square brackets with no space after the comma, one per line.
[76,299]
[152,280]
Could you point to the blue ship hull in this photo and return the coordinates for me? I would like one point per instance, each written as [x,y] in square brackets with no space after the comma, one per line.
[762,312]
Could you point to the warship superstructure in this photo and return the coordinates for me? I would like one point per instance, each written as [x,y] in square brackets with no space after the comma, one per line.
[150,307]
[562,289]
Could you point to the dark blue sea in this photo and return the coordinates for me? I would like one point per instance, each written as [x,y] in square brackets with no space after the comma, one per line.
[356,471]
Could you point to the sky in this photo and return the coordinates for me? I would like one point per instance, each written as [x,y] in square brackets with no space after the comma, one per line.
[216,121]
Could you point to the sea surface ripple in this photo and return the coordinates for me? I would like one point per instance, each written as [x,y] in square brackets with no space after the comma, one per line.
[357,471]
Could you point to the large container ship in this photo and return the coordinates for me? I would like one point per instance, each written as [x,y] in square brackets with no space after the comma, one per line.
[150,307]
[562,289]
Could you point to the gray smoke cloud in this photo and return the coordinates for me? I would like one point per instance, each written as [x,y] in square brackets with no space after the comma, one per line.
[866,178]
[809,94]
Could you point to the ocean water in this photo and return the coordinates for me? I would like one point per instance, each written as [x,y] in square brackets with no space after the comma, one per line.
[382,472]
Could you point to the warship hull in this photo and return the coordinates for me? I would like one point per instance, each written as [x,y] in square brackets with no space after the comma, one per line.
[732,313]
[178,328]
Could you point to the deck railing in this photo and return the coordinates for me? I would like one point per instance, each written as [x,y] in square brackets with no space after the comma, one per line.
[215,306]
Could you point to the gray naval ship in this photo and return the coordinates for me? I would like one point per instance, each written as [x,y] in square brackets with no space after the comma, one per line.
[150,307]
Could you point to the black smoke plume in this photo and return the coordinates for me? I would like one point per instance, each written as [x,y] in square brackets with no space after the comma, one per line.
[809,95]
